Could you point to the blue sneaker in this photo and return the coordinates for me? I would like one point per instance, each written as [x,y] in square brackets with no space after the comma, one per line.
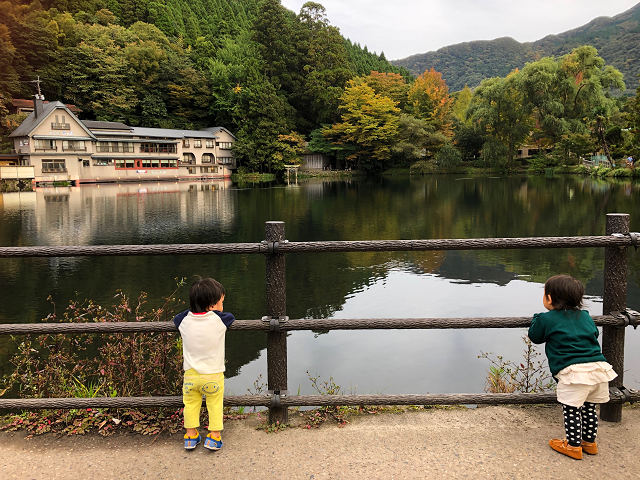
[191,443]
[212,444]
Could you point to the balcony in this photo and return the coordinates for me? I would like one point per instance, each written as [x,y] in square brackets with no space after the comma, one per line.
[114,149]
[188,162]
[74,149]
[54,170]
[46,148]
[60,126]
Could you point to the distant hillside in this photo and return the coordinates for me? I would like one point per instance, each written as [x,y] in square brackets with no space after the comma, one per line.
[616,38]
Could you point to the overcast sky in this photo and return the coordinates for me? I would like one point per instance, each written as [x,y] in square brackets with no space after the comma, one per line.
[403,28]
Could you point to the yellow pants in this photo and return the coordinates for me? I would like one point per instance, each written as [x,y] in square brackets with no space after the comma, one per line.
[193,387]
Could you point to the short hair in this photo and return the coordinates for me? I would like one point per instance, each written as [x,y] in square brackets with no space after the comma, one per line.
[565,291]
[204,293]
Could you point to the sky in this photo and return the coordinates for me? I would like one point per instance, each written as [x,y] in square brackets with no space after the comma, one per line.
[404,28]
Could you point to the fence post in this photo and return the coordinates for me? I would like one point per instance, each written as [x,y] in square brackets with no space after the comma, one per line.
[276,307]
[614,299]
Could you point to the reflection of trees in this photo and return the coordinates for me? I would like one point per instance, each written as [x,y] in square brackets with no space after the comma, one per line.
[317,284]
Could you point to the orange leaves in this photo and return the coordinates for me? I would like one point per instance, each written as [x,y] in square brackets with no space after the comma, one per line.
[429,99]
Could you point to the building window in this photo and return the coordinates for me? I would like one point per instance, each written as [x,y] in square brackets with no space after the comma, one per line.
[185,142]
[101,162]
[53,166]
[85,163]
[188,159]
[197,143]
[208,169]
[226,160]
[46,145]
[158,148]
[210,143]
[115,147]
[74,146]
[191,170]
[207,158]
[225,145]
[57,125]
[125,163]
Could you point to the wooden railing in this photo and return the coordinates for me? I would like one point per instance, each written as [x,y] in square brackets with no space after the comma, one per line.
[276,324]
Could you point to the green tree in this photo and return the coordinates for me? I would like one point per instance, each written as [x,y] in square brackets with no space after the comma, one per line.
[448,157]
[498,110]
[564,94]
[416,138]
[323,59]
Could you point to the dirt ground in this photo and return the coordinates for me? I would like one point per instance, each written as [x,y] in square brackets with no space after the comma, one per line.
[494,442]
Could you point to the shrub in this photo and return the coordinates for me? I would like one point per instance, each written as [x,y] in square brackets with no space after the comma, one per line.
[538,165]
[620,173]
[116,364]
[479,163]
[580,170]
[448,157]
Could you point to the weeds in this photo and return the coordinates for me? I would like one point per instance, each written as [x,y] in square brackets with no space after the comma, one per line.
[267,427]
[531,376]
[85,365]
[317,417]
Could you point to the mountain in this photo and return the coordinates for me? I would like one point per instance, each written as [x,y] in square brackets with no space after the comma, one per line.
[616,38]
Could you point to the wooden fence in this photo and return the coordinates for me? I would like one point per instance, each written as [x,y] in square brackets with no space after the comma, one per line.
[276,324]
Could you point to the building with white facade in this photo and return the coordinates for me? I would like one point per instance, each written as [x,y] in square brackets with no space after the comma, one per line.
[63,148]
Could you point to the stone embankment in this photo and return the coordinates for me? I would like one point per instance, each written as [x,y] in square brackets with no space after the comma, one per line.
[494,442]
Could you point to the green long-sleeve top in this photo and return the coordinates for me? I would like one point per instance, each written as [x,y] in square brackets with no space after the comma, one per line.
[570,335]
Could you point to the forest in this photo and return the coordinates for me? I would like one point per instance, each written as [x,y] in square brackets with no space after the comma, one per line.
[286,83]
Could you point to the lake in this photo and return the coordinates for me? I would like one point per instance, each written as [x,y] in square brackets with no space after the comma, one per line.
[336,285]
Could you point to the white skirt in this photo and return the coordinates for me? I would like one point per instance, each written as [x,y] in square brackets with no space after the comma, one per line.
[585,382]
[586,373]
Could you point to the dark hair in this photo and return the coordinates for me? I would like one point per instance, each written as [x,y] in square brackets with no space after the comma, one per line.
[204,293]
[565,291]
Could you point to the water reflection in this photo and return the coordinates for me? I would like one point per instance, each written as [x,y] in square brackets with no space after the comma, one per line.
[348,285]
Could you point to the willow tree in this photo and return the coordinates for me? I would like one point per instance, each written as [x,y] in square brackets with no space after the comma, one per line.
[570,94]
[498,109]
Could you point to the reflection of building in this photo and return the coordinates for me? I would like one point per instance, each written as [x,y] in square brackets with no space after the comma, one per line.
[62,148]
[148,211]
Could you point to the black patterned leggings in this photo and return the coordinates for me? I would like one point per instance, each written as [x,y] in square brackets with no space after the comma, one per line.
[580,423]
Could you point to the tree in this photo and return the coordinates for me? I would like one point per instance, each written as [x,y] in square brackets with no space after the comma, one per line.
[289,150]
[448,157]
[392,85]
[369,121]
[96,73]
[428,98]
[262,115]
[324,65]
[415,139]
[498,110]
[563,94]
[460,105]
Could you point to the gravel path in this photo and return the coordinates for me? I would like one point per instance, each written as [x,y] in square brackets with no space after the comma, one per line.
[495,442]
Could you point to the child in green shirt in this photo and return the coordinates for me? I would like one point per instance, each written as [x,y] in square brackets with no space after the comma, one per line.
[576,362]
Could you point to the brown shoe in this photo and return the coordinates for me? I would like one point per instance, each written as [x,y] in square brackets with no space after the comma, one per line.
[590,448]
[563,446]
